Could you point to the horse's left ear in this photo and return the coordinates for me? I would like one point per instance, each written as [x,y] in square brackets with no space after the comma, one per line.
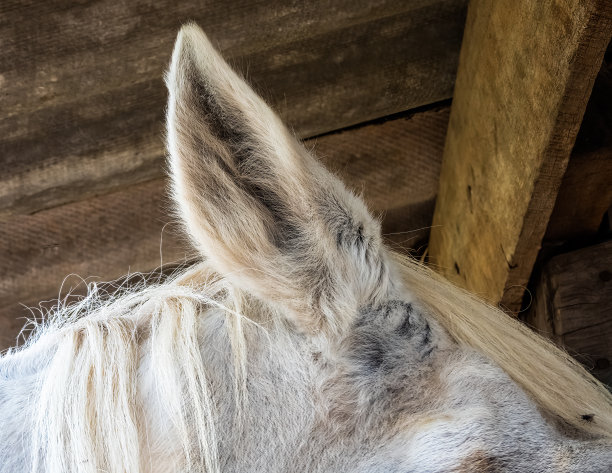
[267,215]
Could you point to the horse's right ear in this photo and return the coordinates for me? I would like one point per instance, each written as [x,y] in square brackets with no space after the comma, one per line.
[266,214]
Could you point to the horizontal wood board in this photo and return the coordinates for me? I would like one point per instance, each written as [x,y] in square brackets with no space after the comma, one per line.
[395,165]
[83,100]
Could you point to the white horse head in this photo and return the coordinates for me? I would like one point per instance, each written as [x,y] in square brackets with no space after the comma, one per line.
[300,342]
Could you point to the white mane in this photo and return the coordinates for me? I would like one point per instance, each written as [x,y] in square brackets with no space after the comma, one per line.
[87,406]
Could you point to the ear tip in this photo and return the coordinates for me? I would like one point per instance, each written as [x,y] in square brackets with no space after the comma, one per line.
[191,30]
[191,43]
[191,36]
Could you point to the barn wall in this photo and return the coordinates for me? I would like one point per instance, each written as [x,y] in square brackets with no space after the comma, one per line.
[81,137]
[83,96]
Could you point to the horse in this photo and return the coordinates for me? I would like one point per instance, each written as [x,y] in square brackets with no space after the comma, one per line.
[298,341]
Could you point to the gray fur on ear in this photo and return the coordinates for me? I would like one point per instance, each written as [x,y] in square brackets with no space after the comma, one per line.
[265,212]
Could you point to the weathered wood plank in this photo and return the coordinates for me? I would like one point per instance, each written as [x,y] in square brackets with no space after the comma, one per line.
[584,197]
[394,164]
[526,71]
[586,190]
[573,306]
[82,97]
[100,237]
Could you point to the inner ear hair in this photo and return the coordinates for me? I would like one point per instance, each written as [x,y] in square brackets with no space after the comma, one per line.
[258,205]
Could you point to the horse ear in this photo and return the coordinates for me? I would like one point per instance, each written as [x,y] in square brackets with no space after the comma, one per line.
[266,213]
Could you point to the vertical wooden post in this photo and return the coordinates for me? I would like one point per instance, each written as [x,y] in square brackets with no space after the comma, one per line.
[526,70]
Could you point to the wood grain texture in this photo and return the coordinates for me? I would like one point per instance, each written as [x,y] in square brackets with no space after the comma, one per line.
[584,197]
[526,71]
[97,239]
[573,306]
[395,165]
[586,190]
[82,95]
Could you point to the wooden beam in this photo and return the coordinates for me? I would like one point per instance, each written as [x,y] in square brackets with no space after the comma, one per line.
[584,197]
[573,306]
[526,70]
[394,164]
[586,193]
[83,100]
